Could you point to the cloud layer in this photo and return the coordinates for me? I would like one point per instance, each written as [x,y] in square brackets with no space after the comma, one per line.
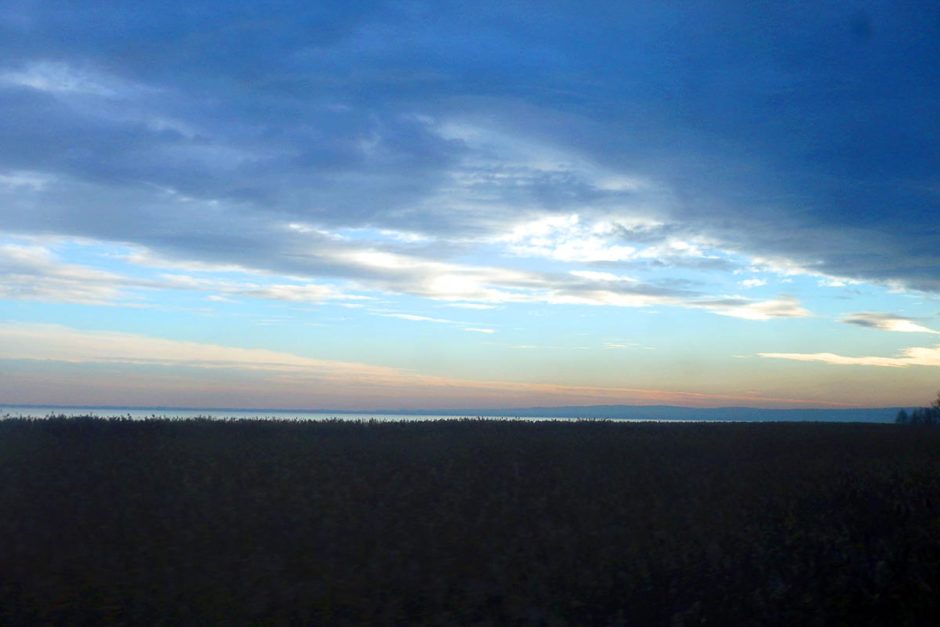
[226,376]
[615,134]
[34,272]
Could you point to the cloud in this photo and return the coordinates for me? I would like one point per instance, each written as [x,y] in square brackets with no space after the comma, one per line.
[887,322]
[420,318]
[304,293]
[918,356]
[30,272]
[609,235]
[415,318]
[477,306]
[621,345]
[33,181]
[62,79]
[35,272]
[204,374]
[23,341]
[562,238]
[737,307]
[206,136]
[606,277]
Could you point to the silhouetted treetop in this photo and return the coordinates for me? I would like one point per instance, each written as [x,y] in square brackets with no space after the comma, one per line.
[921,415]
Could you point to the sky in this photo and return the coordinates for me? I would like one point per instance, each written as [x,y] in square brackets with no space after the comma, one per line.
[366,205]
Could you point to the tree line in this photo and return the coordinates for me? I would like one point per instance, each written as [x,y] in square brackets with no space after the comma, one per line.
[921,415]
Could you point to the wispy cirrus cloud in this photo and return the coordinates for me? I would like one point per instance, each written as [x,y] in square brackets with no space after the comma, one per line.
[917,356]
[36,272]
[419,318]
[357,270]
[63,79]
[29,272]
[22,341]
[414,317]
[887,322]
[288,379]
[748,309]
[477,306]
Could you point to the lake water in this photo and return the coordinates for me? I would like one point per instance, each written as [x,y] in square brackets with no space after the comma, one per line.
[13,411]
[625,414]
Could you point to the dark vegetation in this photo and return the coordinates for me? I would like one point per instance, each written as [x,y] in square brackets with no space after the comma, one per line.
[204,522]
[921,415]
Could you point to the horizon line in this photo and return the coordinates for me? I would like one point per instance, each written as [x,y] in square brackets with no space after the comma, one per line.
[444,411]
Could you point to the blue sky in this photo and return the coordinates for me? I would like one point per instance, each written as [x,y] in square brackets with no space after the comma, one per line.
[366,204]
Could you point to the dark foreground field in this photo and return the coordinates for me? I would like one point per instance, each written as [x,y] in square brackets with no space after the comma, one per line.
[467,522]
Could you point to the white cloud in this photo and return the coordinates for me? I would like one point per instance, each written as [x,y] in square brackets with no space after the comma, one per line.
[419,318]
[592,275]
[736,307]
[25,179]
[611,236]
[396,272]
[504,156]
[918,356]
[305,293]
[566,238]
[788,268]
[477,306]
[887,322]
[35,272]
[409,237]
[749,283]
[31,272]
[602,296]
[780,266]
[60,78]
[415,318]
[146,258]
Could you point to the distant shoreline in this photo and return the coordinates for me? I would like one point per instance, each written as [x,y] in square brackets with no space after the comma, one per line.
[610,412]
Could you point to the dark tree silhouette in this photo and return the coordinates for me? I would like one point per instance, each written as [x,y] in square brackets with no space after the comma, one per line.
[921,415]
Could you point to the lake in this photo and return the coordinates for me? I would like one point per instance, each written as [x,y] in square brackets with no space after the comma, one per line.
[36,411]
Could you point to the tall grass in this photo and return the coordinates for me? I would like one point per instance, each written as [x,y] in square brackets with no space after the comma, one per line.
[467,522]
